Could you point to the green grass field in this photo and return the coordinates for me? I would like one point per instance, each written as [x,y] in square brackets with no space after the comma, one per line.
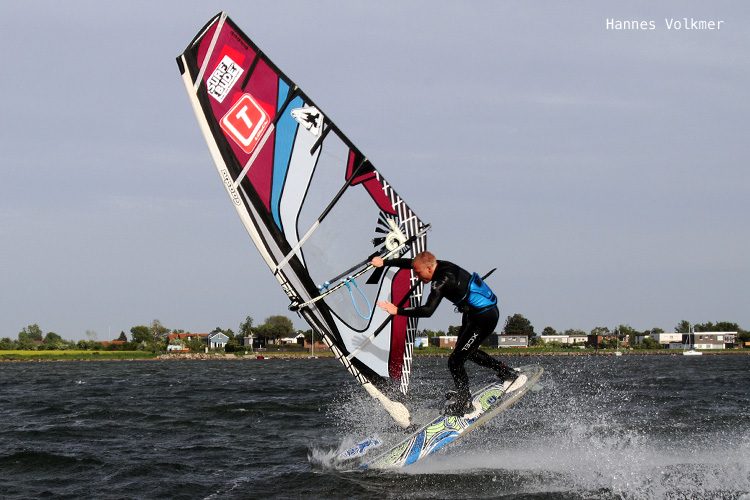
[73,355]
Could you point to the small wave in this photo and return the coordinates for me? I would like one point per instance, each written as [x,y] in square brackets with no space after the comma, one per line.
[323,458]
[326,458]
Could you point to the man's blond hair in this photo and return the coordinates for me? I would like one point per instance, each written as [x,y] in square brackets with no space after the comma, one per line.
[425,259]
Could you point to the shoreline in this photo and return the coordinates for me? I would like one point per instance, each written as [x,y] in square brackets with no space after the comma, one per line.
[94,356]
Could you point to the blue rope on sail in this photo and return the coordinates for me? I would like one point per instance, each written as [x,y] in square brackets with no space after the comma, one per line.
[351,294]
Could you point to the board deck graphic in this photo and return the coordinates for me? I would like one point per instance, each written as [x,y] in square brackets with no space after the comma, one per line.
[488,402]
[359,449]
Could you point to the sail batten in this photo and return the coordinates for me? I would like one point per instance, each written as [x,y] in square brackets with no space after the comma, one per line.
[309,199]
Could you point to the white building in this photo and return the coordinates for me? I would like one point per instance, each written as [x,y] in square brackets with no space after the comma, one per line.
[500,340]
[298,339]
[667,338]
[444,341]
[565,339]
[421,342]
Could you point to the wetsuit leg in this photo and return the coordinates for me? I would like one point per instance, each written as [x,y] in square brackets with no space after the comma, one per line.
[474,330]
[485,360]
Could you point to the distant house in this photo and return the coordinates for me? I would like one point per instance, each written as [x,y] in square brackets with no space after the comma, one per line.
[176,341]
[111,344]
[252,341]
[666,339]
[421,342]
[578,339]
[186,337]
[501,340]
[705,340]
[177,348]
[299,339]
[217,340]
[318,346]
[444,341]
[565,339]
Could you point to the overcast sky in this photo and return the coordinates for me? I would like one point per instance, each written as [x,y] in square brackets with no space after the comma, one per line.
[603,172]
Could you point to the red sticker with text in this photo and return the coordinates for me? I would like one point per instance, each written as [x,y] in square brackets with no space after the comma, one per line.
[245,122]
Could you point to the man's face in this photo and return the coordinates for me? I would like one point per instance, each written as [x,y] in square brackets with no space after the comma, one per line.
[423,272]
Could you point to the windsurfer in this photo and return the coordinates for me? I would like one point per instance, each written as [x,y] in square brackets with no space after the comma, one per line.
[480,315]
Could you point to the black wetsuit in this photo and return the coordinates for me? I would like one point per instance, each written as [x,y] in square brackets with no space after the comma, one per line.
[452,282]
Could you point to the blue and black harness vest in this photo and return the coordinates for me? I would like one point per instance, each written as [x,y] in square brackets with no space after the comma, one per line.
[478,297]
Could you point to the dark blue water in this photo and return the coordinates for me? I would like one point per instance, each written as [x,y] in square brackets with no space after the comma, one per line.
[629,427]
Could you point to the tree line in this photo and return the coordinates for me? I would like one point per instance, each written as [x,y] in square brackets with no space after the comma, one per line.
[517,324]
[155,336]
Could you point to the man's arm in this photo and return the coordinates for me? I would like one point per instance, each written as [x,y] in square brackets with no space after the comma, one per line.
[425,311]
[378,261]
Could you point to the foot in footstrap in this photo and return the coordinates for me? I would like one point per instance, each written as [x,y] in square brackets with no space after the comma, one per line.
[506,374]
[461,404]
[459,408]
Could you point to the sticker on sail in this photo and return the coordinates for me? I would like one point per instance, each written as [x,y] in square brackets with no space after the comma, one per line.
[310,118]
[245,123]
[223,78]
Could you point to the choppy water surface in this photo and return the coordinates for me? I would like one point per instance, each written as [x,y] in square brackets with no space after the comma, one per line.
[629,427]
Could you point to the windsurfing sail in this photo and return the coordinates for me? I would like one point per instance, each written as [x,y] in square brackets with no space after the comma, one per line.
[314,205]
